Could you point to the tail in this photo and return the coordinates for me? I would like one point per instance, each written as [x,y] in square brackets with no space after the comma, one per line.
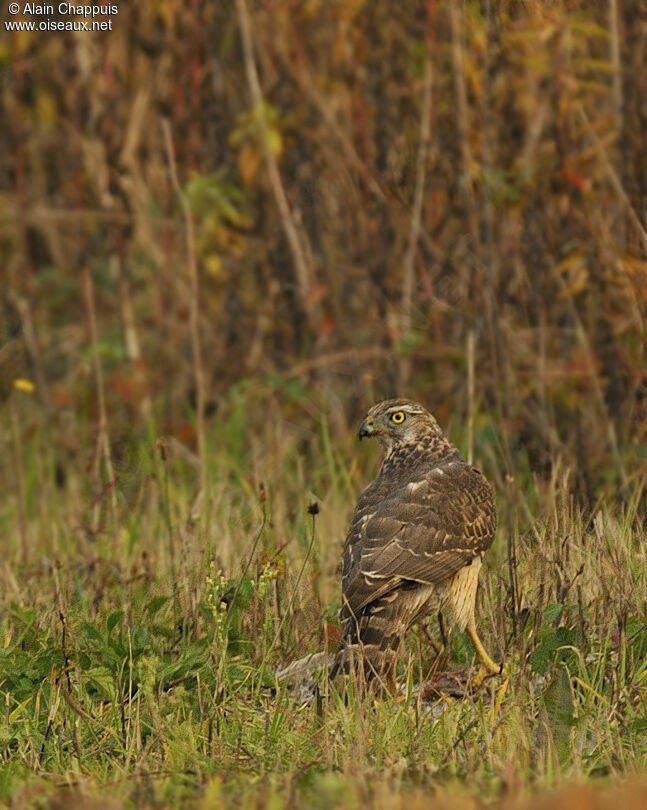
[370,644]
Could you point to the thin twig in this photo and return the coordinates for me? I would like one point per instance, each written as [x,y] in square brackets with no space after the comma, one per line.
[254,546]
[162,454]
[81,712]
[61,615]
[295,590]
[458,741]
[512,571]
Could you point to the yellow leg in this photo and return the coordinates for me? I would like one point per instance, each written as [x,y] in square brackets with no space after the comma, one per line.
[487,667]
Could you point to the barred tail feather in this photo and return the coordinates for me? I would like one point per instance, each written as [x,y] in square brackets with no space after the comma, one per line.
[370,644]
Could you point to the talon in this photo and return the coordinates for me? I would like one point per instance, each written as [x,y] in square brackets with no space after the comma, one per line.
[477,680]
[485,672]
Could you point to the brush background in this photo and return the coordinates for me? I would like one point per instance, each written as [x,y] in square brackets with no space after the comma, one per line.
[226,230]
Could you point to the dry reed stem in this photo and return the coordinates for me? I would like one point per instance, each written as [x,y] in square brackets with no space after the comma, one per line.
[372,181]
[357,357]
[456,13]
[127,311]
[585,342]
[470,396]
[616,63]
[131,340]
[416,214]
[613,177]
[194,303]
[492,259]
[33,346]
[20,482]
[305,276]
[103,436]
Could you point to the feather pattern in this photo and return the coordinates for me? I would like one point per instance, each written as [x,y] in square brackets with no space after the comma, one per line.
[425,518]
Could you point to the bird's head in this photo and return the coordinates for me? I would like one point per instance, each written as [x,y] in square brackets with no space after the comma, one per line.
[398,421]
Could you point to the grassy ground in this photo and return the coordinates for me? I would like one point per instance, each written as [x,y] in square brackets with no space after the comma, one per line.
[141,622]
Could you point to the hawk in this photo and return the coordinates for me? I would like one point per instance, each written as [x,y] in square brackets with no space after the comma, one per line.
[415,544]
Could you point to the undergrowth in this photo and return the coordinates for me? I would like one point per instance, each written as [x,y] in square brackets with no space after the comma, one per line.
[139,644]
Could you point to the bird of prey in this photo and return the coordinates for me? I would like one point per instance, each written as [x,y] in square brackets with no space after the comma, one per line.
[415,544]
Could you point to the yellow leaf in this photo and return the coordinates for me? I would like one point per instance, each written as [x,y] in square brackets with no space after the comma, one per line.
[274,141]
[249,161]
[213,265]
[501,692]
[586,686]
[46,110]
[16,712]
[26,386]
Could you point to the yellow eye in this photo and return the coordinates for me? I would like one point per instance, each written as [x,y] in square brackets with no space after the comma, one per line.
[398,417]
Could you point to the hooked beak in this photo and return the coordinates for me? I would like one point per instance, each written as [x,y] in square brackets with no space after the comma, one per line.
[366,428]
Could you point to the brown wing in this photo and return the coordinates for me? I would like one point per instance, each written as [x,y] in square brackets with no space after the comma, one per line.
[424,531]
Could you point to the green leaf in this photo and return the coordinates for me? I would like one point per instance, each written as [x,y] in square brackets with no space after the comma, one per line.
[114,619]
[558,702]
[552,613]
[102,679]
[92,633]
[539,659]
[155,604]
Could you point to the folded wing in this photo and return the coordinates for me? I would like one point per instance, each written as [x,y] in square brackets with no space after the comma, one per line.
[425,531]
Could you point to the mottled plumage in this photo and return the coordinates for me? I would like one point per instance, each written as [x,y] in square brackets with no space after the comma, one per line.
[415,543]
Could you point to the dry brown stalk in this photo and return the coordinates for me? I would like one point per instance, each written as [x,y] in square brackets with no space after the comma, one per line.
[19,475]
[614,41]
[470,396]
[103,436]
[370,178]
[33,346]
[416,214]
[127,311]
[194,303]
[305,275]
[131,340]
[491,254]
[456,13]
[613,177]
[357,357]
[585,341]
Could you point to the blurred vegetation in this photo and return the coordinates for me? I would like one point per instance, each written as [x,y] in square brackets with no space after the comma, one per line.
[228,228]
[531,179]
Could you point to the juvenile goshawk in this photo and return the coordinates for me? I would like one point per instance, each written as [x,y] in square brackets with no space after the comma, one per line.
[415,544]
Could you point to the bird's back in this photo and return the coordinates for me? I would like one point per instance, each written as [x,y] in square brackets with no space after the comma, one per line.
[426,516]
